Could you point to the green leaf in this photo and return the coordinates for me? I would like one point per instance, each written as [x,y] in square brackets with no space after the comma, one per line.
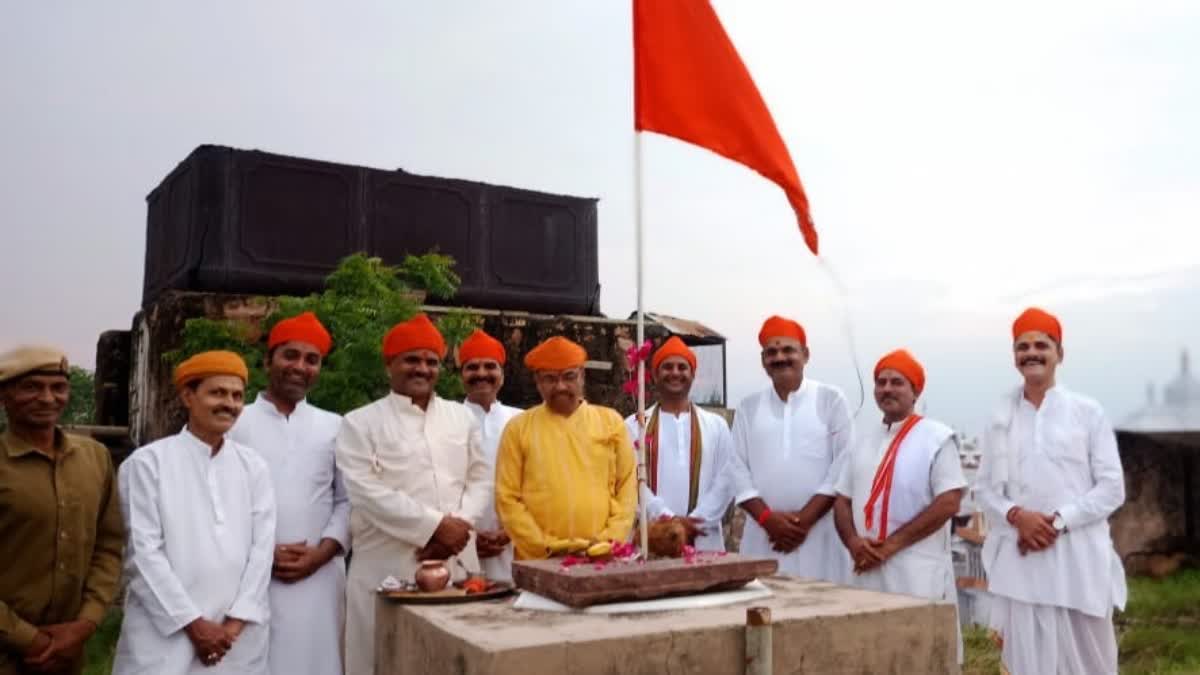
[363,298]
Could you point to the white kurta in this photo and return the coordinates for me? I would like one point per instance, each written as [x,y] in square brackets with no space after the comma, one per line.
[785,453]
[674,471]
[927,465]
[201,537]
[307,616]
[491,425]
[1061,457]
[404,468]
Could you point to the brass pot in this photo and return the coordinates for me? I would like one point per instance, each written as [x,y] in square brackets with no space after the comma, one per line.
[432,575]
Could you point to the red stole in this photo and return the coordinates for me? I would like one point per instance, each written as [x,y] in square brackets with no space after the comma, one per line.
[882,485]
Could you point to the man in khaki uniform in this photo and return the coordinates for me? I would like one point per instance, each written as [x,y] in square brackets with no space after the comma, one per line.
[60,524]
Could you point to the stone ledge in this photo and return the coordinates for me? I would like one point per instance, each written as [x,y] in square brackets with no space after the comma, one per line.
[818,628]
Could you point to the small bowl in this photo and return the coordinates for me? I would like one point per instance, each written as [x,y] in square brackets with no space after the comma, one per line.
[432,576]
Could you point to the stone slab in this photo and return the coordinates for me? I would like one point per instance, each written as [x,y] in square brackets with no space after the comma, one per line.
[819,628]
[586,584]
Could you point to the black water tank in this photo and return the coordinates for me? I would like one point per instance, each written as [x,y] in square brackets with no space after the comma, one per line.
[243,221]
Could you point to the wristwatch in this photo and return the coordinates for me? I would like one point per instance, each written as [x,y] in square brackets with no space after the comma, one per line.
[1059,524]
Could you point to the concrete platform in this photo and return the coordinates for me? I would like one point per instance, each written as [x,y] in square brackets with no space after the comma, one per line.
[819,628]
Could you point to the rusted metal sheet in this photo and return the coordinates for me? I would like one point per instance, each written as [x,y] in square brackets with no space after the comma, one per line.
[244,221]
[691,332]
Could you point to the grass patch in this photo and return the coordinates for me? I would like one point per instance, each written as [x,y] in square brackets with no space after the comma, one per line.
[1160,650]
[1175,598]
[980,656]
[102,647]
[1158,633]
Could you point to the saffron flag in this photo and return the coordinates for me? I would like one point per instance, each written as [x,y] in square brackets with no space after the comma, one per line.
[690,84]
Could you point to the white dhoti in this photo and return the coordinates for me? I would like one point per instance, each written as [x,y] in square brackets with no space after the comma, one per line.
[1049,640]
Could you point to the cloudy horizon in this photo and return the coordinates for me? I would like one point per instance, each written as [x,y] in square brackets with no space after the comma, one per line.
[962,161]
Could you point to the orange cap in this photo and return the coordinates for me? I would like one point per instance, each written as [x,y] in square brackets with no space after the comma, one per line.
[673,347]
[416,333]
[480,345]
[556,353]
[301,328]
[207,364]
[906,364]
[1036,319]
[777,326]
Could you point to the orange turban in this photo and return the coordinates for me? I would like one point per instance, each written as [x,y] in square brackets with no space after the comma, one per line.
[480,345]
[416,333]
[904,363]
[777,326]
[1035,319]
[673,347]
[301,328]
[557,353]
[207,364]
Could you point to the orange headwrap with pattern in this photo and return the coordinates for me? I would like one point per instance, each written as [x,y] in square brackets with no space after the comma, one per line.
[304,327]
[1039,320]
[673,347]
[777,326]
[480,345]
[904,363]
[556,353]
[409,336]
[207,364]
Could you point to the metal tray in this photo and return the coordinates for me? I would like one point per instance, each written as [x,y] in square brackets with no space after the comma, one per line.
[447,596]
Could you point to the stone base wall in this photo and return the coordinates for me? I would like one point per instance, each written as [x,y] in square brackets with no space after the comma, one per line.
[153,410]
[1162,500]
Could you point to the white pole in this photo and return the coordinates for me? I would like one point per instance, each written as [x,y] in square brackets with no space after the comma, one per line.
[641,338]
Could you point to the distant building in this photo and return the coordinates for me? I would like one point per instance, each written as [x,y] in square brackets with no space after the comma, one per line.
[970,528]
[1160,452]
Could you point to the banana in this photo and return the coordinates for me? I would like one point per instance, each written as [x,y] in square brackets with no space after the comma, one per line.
[559,546]
[599,550]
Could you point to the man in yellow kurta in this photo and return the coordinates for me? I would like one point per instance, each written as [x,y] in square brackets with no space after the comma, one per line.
[565,469]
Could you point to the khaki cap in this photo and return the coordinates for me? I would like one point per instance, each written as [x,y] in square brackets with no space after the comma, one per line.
[32,358]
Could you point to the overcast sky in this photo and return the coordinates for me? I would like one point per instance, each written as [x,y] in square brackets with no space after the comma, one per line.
[963,160]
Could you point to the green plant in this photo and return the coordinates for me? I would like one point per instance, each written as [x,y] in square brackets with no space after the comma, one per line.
[432,272]
[362,300]
[81,409]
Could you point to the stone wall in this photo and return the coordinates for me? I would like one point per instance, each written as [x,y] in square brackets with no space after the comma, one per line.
[1162,482]
[604,339]
[154,410]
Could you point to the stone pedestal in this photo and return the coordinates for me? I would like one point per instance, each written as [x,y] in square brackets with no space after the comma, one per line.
[819,628]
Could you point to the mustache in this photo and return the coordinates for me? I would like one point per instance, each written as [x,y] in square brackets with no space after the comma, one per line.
[1033,359]
[224,409]
[482,378]
[776,365]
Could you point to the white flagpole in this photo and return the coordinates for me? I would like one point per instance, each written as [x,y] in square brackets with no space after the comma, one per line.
[641,338]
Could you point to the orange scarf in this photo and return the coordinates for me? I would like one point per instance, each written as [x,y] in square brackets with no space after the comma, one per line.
[882,485]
